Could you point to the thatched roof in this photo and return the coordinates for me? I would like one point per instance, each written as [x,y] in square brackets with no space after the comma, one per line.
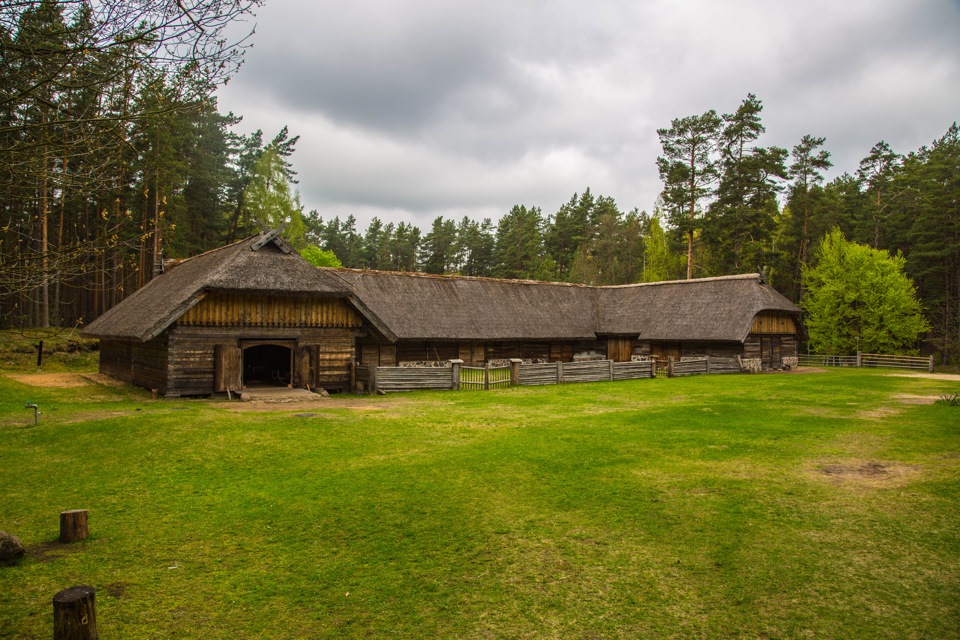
[416,306]
[429,307]
[240,267]
[704,309]
[412,306]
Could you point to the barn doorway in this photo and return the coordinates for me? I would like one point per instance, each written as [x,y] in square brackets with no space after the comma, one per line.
[770,352]
[267,365]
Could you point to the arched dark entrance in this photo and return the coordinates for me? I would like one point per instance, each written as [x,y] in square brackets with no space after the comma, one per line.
[267,365]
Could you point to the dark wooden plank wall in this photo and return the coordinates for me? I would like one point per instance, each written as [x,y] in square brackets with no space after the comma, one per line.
[142,364]
[192,354]
[784,346]
[646,348]
[473,353]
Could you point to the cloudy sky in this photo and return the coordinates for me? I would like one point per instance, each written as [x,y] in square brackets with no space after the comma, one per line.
[410,109]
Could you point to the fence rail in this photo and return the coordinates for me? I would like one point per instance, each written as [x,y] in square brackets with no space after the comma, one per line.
[896,362]
[868,360]
[809,360]
[459,377]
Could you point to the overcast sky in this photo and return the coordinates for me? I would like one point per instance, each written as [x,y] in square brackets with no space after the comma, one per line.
[410,109]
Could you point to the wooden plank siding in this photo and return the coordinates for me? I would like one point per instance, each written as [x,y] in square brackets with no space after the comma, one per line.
[773,324]
[244,310]
[690,349]
[473,353]
[192,359]
[141,364]
[620,349]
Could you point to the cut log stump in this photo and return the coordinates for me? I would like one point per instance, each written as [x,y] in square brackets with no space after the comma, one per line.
[75,614]
[73,525]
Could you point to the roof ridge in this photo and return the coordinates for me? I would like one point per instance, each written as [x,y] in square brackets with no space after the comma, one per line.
[456,276]
[739,276]
[214,250]
[452,276]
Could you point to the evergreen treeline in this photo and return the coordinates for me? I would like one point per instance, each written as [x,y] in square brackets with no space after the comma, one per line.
[113,156]
[112,152]
[588,240]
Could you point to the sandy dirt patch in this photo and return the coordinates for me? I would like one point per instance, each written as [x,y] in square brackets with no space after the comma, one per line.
[59,380]
[806,370]
[945,377]
[357,404]
[909,398]
[63,380]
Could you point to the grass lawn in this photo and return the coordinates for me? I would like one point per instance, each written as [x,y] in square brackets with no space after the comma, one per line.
[819,505]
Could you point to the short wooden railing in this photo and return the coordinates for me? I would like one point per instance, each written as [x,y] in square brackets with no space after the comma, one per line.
[868,360]
[456,376]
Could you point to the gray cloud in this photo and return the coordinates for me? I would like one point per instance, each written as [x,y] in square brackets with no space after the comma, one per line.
[414,109]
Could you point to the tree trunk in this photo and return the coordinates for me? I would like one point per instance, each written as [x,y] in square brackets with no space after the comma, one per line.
[44,245]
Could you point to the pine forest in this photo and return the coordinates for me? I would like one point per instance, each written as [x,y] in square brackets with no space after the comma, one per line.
[114,157]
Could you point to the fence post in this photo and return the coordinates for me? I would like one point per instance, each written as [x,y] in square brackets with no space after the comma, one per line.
[930,368]
[373,379]
[859,360]
[455,374]
[670,367]
[559,371]
[610,362]
[708,365]
[515,371]
[486,376]
[653,367]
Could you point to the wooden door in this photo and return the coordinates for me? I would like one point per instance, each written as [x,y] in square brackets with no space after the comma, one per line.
[304,367]
[228,367]
[665,350]
[619,349]
[770,352]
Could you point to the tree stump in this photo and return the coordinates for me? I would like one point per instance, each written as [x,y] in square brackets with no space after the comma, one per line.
[73,525]
[75,614]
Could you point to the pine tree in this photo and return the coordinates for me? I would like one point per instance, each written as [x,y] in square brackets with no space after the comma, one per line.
[806,168]
[688,170]
[740,221]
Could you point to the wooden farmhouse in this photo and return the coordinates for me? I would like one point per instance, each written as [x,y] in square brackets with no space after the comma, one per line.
[255,313]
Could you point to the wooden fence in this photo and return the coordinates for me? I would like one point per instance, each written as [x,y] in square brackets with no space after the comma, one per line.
[867,360]
[458,377]
[896,362]
[484,378]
